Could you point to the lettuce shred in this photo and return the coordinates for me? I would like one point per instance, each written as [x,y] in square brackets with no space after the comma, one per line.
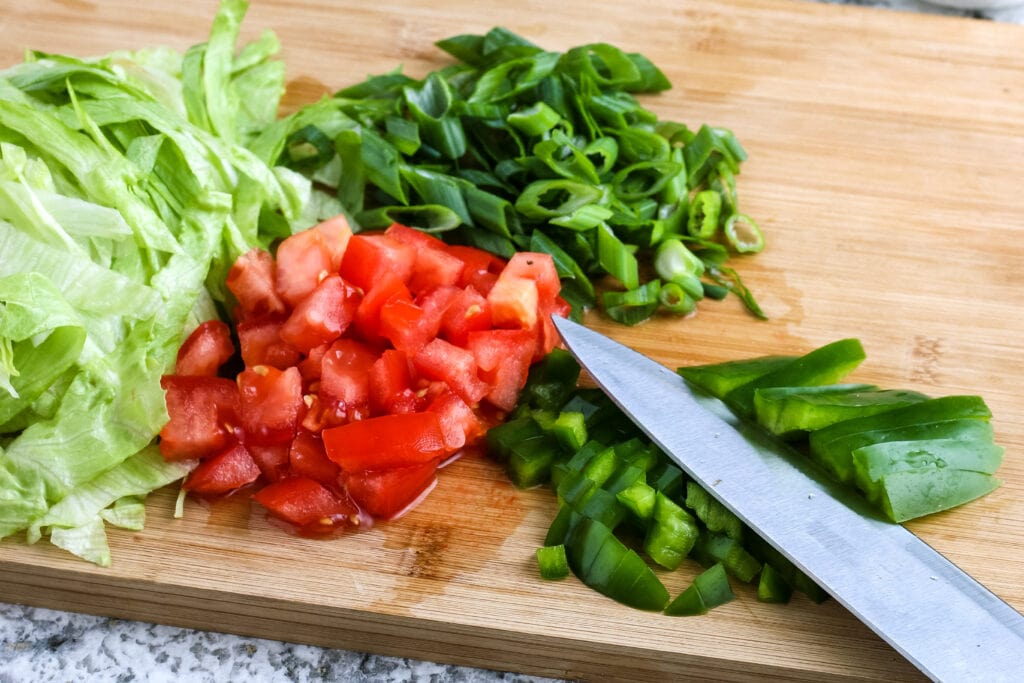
[128,185]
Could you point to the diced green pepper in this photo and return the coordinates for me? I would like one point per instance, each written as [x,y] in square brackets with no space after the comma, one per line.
[569,429]
[786,569]
[552,381]
[604,507]
[789,411]
[671,534]
[667,478]
[772,586]
[711,548]
[501,438]
[605,564]
[552,562]
[639,498]
[529,463]
[715,516]
[708,590]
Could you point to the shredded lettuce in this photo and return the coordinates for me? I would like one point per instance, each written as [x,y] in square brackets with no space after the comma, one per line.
[129,183]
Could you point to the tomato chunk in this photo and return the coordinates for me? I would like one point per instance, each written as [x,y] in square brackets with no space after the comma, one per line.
[386,441]
[203,414]
[206,349]
[271,402]
[307,504]
[390,384]
[345,378]
[271,459]
[261,343]
[251,280]
[322,316]
[513,301]
[303,259]
[537,267]
[504,358]
[370,256]
[336,234]
[387,494]
[441,360]
[405,324]
[467,312]
[308,459]
[230,469]
[460,425]
[367,321]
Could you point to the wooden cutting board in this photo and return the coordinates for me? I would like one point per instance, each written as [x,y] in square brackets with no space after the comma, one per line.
[886,168]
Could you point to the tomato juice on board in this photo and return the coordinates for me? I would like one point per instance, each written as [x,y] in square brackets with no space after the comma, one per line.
[369,361]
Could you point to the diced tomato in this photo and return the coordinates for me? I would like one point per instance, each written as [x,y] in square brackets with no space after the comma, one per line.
[459,423]
[413,237]
[308,459]
[504,358]
[386,494]
[369,256]
[272,460]
[406,325]
[367,321]
[230,469]
[435,268]
[513,301]
[303,260]
[391,386]
[260,339]
[251,280]
[322,316]
[345,378]
[481,269]
[206,349]
[467,312]
[307,504]
[537,267]
[203,415]
[272,404]
[311,366]
[386,441]
[547,336]
[336,233]
[441,360]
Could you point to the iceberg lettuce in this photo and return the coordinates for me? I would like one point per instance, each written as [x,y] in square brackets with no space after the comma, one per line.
[128,185]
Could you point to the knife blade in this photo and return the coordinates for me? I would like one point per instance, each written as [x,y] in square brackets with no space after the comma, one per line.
[942,620]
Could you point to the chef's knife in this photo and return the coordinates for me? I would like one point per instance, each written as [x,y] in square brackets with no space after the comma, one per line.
[943,621]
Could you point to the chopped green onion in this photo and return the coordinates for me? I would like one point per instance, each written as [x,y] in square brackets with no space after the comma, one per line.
[552,198]
[675,299]
[632,306]
[743,234]
[513,139]
[535,120]
[307,147]
[673,260]
[617,260]
[704,213]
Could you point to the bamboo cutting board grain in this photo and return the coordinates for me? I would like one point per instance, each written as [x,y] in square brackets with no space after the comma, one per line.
[886,168]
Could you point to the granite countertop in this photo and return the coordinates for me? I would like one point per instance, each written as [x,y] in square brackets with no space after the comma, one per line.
[46,645]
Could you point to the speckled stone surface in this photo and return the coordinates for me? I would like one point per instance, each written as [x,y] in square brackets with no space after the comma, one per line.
[38,645]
